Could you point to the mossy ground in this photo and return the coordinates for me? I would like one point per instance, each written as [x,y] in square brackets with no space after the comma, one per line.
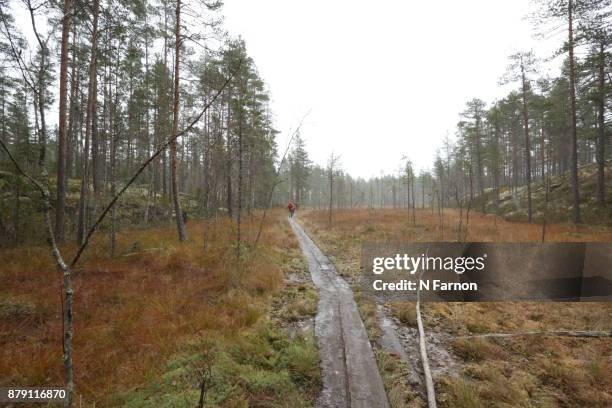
[513,206]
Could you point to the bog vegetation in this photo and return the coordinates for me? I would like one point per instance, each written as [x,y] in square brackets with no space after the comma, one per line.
[509,371]
[118,118]
[161,321]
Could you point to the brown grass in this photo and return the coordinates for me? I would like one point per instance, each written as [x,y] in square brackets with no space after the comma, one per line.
[136,310]
[378,224]
[517,371]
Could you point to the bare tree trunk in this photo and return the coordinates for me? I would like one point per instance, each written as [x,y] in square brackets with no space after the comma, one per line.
[89,122]
[408,206]
[423,192]
[151,188]
[545,182]
[467,221]
[413,200]
[527,146]
[114,138]
[471,178]
[574,145]
[331,193]
[71,135]
[601,137]
[61,136]
[228,166]
[543,151]
[332,164]
[175,193]
[163,113]
[440,213]
[479,165]
[460,228]
[239,210]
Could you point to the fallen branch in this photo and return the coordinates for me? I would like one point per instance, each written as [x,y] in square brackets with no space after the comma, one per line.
[429,384]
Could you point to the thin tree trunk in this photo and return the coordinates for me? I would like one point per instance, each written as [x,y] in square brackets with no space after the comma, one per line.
[423,193]
[71,152]
[61,136]
[479,164]
[574,135]
[331,190]
[601,137]
[89,122]
[114,138]
[16,209]
[228,166]
[413,201]
[543,151]
[67,324]
[239,210]
[527,146]
[175,193]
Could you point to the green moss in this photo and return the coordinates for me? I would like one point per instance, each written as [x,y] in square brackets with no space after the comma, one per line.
[298,303]
[262,368]
[513,207]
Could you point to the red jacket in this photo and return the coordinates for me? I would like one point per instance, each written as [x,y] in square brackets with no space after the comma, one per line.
[290,206]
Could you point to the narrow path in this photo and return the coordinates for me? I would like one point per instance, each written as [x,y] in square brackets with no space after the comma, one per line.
[350,374]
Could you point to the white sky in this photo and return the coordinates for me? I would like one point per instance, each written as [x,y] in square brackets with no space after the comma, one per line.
[383,78]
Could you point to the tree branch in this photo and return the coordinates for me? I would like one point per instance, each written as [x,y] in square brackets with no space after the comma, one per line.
[276,180]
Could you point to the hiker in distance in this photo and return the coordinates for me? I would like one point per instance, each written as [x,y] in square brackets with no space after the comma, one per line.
[291,207]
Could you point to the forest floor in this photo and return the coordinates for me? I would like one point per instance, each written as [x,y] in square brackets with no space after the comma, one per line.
[161,319]
[545,371]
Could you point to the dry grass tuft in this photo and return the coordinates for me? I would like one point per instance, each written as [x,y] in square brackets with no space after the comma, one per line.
[476,350]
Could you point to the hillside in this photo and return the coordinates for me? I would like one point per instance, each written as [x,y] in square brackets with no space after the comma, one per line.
[21,219]
[513,207]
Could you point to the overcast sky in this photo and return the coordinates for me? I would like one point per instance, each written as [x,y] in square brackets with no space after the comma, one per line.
[383,79]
